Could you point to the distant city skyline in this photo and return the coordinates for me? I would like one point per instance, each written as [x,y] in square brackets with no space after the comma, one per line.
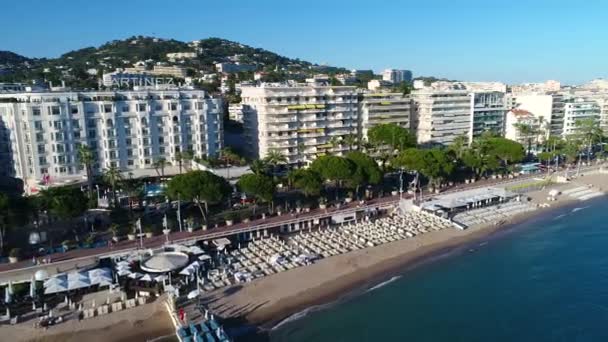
[472,40]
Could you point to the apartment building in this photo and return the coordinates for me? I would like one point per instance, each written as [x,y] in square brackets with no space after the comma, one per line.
[384,108]
[300,121]
[576,109]
[396,76]
[547,108]
[125,129]
[442,115]
[488,110]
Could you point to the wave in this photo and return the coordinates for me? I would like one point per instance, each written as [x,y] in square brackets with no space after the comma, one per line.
[577,209]
[559,216]
[382,284]
[294,317]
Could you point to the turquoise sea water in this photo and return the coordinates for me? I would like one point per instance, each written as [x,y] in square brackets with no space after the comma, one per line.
[543,280]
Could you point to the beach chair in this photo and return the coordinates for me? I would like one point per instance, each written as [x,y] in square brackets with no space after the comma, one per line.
[193,329]
[203,328]
[182,332]
[210,338]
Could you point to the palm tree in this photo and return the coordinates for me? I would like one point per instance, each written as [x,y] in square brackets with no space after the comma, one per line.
[113,176]
[526,132]
[274,158]
[178,158]
[160,164]
[86,159]
[258,167]
[459,145]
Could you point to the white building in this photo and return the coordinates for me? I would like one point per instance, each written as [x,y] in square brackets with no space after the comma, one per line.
[125,129]
[174,56]
[375,85]
[546,108]
[396,76]
[517,117]
[526,88]
[301,121]
[235,112]
[442,115]
[384,108]
[576,109]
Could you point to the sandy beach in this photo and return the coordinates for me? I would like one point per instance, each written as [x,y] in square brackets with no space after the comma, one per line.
[267,301]
[141,323]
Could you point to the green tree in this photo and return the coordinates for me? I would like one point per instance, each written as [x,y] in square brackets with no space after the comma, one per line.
[259,167]
[395,136]
[202,187]
[86,159]
[307,181]
[333,168]
[434,164]
[588,132]
[258,186]
[366,171]
[113,177]
[14,211]
[508,151]
[275,158]
[159,166]
[64,202]
[351,140]
[528,133]
[459,146]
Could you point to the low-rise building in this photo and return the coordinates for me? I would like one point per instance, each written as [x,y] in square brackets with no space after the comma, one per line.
[395,76]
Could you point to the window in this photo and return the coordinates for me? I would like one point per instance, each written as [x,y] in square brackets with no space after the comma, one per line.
[57,124]
[91,133]
[107,108]
[91,123]
[39,137]
[130,162]
[186,106]
[42,160]
[41,149]
[36,111]
[158,107]
[125,108]
[173,106]
[38,125]
[161,150]
[141,107]
[58,136]
[112,154]
[129,153]
[59,148]
[112,144]
[54,110]
[75,123]
[128,141]
[74,110]
[161,140]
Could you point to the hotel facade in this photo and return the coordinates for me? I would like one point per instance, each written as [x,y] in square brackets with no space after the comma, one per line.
[41,132]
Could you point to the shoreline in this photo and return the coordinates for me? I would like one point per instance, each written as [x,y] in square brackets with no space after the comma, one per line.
[275,308]
[400,268]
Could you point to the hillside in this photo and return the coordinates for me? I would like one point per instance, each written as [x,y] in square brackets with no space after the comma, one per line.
[82,68]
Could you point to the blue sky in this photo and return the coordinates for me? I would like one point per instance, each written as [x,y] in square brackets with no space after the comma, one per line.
[510,41]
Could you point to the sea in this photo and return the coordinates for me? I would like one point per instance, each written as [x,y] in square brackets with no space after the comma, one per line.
[542,280]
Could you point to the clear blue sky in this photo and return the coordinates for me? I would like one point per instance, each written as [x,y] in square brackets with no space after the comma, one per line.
[514,41]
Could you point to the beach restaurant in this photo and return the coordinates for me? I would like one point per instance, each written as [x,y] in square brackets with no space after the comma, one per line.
[452,203]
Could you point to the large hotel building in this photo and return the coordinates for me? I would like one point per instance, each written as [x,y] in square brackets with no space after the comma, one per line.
[40,132]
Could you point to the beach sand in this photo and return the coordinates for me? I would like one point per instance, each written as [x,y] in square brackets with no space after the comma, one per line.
[141,323]
[266,301]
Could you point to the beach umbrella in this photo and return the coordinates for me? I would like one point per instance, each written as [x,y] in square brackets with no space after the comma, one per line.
[135,275]
[146,277]
[160,278]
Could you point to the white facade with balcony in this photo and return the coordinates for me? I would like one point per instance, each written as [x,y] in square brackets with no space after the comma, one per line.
[577,109]
[41,132]
[384,108]
[301,122]
[442,115]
